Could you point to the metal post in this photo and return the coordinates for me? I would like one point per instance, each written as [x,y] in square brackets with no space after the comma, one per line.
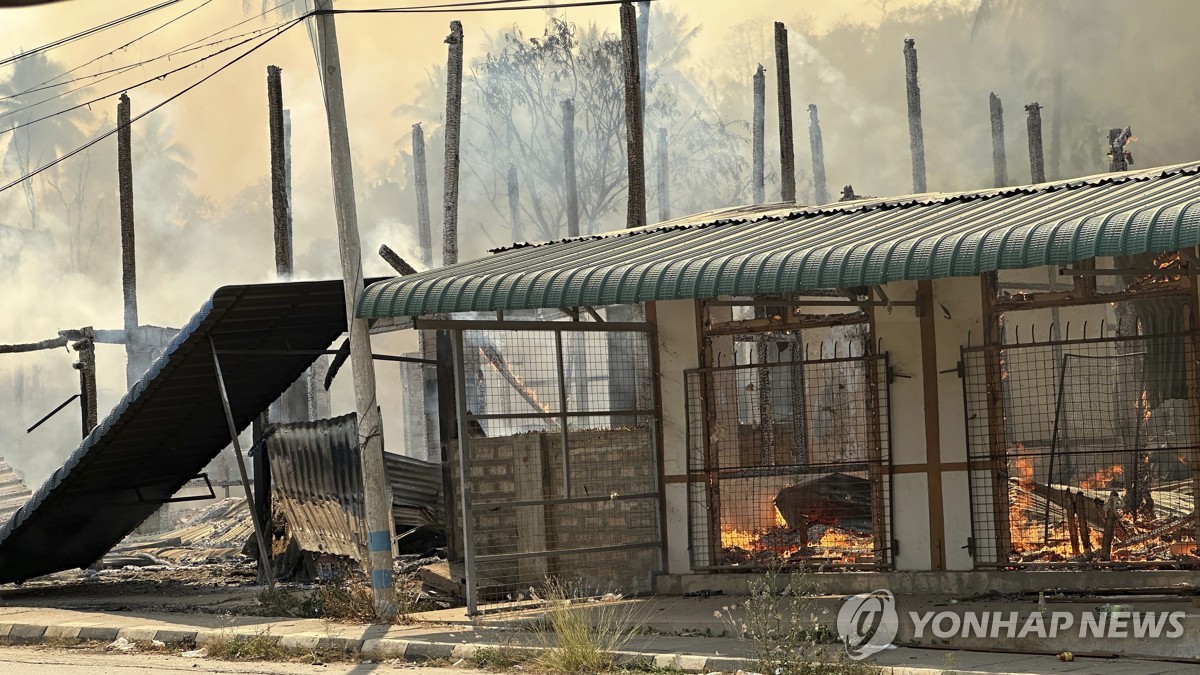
[464,473]
[562,411]
[264,551]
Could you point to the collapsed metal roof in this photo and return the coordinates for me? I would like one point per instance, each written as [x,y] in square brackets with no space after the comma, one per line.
[171,424]
[782,248]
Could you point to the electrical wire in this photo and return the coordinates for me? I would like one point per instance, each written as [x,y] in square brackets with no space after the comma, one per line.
[87,33]
[110,132]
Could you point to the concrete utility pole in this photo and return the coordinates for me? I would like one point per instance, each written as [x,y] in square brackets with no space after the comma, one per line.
[514,204]
[1037,165]
[916,134]
[634,148]
[664,178]
[376,489]
[424,229]
[454,67]
[999,160]
[568,121]
[133,369]
[787,150]
[817,146]
[759,132]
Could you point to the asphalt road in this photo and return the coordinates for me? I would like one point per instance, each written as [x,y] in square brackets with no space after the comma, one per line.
[43,661]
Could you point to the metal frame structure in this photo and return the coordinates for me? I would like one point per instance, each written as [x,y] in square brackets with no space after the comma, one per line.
[563,416]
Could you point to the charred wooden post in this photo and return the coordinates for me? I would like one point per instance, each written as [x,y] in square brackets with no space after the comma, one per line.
[916,133]
[664,179]
[261,463]
[568,121]
[1085,529]
[1119,158]
[634,147]
[1037,165]
[424,234]
[84,344]
[643,35]
[514,205]
[454,68]
[1055,159]
[1072,523]
[128,256]
[817,146]
[395,261]
[758,142]
[1112,511]
[999,158]
[787,150]
[279,197]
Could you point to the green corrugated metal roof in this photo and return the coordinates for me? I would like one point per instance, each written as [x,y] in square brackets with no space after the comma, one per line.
[757,250]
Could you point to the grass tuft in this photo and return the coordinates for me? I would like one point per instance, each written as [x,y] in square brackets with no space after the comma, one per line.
[583,637]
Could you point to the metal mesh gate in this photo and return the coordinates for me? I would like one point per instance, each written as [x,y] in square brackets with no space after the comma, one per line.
[561,467]
[1083,452]
[805,484]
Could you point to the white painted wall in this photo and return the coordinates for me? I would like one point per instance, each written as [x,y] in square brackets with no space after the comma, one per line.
[677,352]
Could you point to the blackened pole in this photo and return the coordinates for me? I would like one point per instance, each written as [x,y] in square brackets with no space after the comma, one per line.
[787,150]
[916,134]
[86,365]
[568,121]
[377,498]
[758,133]
[999,160]
[1037,165]
[454,68]
[424,228]
[514,204]
[634,148]
[817,146]
[279,197]
[264,552]
[128,257]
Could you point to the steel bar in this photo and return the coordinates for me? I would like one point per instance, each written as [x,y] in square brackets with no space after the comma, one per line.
[264,551]
[319,352]
[464,473]
[1162,272]
[810,303]
[571,500]
[551,415]
[52,413]
[498,557]
[560,365]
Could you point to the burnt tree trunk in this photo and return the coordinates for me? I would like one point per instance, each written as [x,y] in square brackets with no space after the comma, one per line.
[634,147]
[454,68]
[514,205]
[128,257]
[817,146]
[1037,165]
[568,122]
[787,150]
[999,158]
[279,197]
[424,229]
[758,150]
[916,133]
[84,344]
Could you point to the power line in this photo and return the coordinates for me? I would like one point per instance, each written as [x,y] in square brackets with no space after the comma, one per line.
[88,32]
[153,108]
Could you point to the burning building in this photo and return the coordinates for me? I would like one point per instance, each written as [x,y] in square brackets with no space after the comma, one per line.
[973,382]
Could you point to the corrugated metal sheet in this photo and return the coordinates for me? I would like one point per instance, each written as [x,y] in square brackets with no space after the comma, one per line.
[13,492]
[171,423]
[757,250]
[317,480]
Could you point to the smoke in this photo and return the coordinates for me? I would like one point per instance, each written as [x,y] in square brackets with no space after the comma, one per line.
[201,188]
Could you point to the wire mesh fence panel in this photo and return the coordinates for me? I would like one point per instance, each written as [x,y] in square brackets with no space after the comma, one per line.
[561,460]
[1083,452]
[788,464]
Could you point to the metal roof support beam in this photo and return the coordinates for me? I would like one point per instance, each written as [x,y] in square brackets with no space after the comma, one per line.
[464,471]
[566,326]
[1158,271]
[264,551]
[593,313]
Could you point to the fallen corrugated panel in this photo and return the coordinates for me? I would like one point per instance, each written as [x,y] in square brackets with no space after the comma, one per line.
[784,248]
[13,492]
[216,533]
[171,423]
[317,483]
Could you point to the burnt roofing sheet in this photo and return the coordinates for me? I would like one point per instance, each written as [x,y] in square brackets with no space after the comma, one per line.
[171,424]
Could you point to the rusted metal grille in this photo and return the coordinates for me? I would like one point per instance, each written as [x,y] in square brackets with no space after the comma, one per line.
[1083,452]
[799,478]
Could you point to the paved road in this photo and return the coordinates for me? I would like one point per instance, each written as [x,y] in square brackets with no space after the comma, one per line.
[40,661]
